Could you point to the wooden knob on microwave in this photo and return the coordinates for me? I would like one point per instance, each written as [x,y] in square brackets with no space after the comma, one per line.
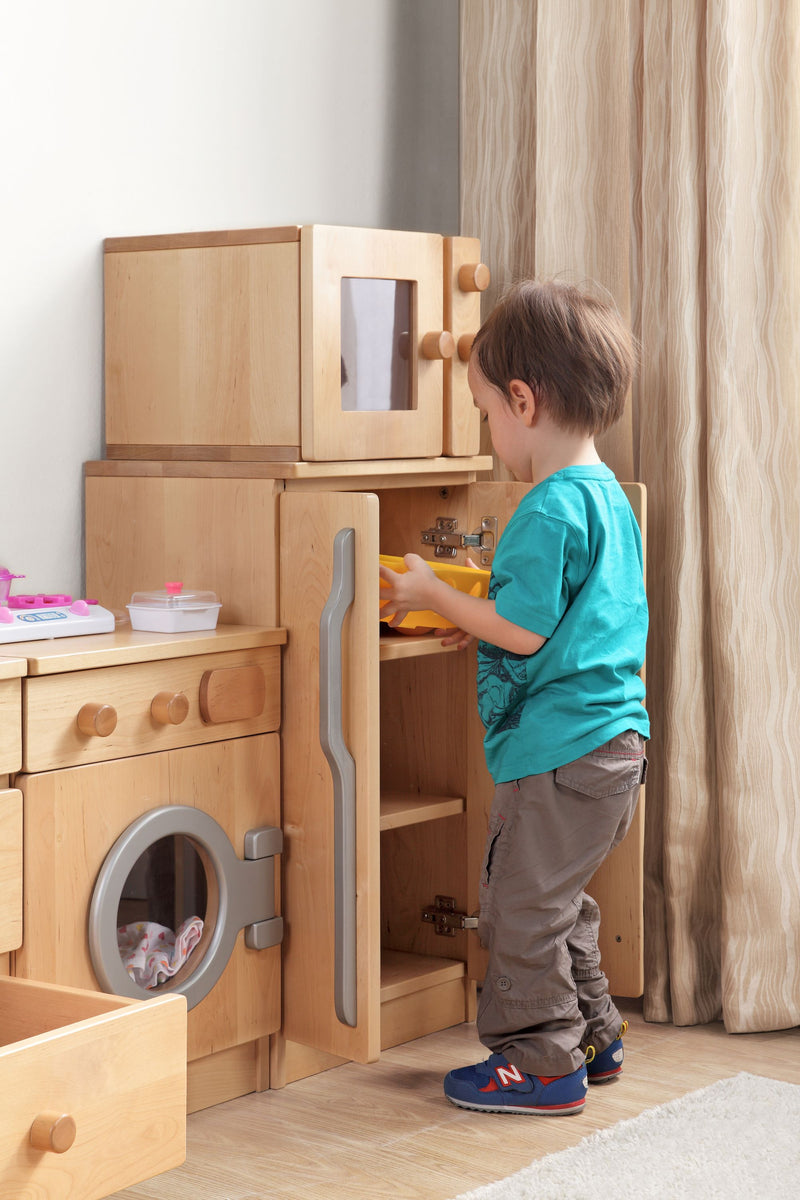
[438,345]
[97,720]
[53,1131]
[474,277]
[464,345]
[169,708]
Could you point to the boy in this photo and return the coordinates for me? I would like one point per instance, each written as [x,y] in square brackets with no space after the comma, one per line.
[562,639]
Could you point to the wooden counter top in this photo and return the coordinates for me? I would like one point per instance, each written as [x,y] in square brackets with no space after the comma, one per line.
[13,668]
[56,655]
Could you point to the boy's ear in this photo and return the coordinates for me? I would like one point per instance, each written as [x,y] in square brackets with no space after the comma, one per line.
[523,400]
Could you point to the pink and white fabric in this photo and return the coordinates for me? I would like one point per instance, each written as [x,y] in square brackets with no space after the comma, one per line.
[152,953]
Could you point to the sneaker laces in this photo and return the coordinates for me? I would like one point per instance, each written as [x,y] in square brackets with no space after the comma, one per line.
[591,1052]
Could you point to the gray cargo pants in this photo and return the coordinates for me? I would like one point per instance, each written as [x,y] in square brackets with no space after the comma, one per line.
[545,998]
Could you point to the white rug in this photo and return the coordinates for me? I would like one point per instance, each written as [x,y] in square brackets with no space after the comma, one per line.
[738,1139]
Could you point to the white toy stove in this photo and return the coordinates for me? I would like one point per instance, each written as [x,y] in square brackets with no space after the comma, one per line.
[34,617]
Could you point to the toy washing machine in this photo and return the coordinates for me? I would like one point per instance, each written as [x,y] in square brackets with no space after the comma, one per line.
[151,784]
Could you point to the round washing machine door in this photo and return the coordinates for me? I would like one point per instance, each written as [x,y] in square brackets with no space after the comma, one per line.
[170,899]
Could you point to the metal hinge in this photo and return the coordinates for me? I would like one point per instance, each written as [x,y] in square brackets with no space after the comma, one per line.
[447,541]
[446,919]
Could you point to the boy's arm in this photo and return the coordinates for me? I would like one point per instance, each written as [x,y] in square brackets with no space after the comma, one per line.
[419,588]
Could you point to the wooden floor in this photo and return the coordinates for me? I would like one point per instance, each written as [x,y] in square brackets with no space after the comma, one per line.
[386,1130]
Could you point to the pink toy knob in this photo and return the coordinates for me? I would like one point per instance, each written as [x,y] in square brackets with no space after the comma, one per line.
[6,615]
[80,608]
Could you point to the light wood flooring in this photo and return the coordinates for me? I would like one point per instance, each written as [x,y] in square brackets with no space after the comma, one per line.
[385,1130]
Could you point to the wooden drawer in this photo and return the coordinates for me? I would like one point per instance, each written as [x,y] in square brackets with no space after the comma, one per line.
[10,870]
[117,711]
[114,1067]
[11,671]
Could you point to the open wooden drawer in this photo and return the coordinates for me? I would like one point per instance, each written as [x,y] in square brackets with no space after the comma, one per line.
[92,1090]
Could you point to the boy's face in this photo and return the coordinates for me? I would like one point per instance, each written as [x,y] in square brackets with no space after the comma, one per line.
[507,428]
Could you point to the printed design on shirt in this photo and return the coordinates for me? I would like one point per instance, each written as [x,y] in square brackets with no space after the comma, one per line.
[502,678]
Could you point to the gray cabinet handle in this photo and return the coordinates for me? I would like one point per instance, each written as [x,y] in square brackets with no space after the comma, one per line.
[343,772]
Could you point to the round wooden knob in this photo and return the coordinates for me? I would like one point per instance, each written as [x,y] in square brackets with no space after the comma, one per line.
[53,1131]
[438,345]
[474,277]
[464,345]
[169,708]
[97,720]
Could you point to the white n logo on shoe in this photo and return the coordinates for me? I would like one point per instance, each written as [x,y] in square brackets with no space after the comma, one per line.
[508,1075]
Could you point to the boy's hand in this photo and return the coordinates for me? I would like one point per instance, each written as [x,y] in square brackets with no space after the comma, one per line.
[459,637]
[406,592]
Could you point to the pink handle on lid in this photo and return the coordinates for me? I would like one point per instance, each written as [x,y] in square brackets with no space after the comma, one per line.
[173,589]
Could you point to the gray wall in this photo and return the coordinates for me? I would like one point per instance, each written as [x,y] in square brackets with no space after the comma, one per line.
[156,116]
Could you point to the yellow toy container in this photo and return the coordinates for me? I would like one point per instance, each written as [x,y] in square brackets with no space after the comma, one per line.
[471,580]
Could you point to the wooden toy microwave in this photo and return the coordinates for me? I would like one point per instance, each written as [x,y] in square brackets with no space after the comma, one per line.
[311,343]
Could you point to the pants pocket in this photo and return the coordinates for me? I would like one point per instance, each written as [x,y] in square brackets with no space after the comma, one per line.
[618,766]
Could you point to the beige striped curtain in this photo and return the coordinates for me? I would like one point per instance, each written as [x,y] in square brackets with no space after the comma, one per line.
[654,146]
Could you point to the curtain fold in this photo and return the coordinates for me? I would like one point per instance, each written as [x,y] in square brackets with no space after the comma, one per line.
[654,147]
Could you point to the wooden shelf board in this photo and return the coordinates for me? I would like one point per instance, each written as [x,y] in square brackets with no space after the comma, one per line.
[367,474]
[399,646]
[402,973]
[411,808]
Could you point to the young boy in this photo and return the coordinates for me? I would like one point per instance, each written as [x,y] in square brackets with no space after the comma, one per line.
[562,639]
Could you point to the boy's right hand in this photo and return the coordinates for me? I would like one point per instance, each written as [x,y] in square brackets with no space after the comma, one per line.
[458,637]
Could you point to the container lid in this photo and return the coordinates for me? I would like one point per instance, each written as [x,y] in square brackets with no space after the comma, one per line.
[172,595]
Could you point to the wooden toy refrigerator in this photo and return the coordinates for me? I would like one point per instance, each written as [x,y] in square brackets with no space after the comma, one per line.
[235,463]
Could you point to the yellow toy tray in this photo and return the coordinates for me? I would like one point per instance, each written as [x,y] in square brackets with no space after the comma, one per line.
[471,580]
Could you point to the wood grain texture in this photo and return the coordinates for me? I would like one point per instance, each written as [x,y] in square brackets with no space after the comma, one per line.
[69,1053]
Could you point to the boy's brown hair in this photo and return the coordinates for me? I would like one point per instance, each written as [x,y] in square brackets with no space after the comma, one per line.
[572,349]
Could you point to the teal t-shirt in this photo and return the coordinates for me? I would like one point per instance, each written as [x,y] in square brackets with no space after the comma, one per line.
[568,567]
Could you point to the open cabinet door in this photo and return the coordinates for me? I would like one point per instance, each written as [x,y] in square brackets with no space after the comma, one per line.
[331,772]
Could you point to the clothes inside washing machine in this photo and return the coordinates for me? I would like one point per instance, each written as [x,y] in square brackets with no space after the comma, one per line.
[162,910]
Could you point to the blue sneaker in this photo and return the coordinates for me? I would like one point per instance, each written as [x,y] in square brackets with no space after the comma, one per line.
[496,1086]
[607,1065]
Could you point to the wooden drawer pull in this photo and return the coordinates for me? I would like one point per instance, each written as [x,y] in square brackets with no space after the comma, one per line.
[169,708]
[232,694]
[97,720]
[53,1131]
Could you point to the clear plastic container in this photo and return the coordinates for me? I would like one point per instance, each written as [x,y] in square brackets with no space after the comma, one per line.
[171,610]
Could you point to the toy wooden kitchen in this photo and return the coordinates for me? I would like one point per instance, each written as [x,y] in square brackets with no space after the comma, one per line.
[283,406]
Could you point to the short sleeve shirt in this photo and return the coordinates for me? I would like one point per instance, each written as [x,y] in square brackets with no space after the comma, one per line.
[568,567]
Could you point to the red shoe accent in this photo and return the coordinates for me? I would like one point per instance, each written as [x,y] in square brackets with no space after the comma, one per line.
[490,1087]
[545,1079]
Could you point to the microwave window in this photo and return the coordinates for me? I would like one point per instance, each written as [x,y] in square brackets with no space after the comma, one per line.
[376,344]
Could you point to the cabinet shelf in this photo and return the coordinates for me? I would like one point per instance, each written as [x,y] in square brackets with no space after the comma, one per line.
[411,808]
[394,646]
[403,974]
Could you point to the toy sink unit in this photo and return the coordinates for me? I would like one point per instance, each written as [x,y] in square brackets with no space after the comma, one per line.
[471,580]
[172,610]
